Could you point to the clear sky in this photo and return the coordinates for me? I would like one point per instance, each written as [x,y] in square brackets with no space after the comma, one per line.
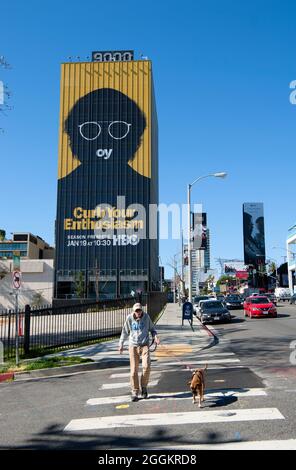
[222,70]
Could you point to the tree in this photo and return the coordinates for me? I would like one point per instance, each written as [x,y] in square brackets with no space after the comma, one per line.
[2,235]
[37,299]
[272,267]
[79,285]
[224,279]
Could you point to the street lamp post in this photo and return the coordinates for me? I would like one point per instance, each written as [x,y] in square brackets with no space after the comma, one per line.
[276,270]
[216,175]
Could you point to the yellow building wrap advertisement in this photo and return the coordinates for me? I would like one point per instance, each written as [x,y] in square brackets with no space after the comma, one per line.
[104,166]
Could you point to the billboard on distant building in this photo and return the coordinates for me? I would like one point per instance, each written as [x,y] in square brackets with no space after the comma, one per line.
[254,236]
[200,231]
[232,267]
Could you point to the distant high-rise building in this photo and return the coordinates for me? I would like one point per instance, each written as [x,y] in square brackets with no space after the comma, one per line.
[207,252]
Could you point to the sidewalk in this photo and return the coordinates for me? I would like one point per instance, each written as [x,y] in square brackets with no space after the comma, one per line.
[176,341]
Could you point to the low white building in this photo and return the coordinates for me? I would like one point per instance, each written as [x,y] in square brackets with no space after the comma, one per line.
[37,276]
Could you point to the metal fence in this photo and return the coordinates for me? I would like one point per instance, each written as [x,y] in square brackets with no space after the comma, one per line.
[53,328]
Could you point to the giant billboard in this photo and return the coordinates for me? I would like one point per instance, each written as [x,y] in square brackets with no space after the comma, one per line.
[254,235]
[107,173]
[200,231]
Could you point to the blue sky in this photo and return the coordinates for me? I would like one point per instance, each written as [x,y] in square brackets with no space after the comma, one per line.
[222,70]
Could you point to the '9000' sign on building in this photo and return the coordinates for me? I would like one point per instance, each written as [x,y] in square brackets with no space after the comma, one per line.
[107,178]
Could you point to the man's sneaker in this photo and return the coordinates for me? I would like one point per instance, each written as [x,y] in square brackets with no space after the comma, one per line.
[134,397]
[144,392]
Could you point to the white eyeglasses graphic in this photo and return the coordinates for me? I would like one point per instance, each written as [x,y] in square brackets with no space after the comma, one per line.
[117,129]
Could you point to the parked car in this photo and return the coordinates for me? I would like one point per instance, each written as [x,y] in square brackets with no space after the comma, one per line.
[293,299]
[196,301]
[233,301]
[220,297]
[259,306]
[212,311]
[272,298]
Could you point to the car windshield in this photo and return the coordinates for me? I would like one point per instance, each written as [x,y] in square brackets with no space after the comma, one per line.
[259,300]
[234,297]
[215,304]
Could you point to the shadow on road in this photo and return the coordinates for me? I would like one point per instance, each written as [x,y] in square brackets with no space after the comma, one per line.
[54,438]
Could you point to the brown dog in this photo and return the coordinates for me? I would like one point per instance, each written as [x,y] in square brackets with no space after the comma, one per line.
[197,384]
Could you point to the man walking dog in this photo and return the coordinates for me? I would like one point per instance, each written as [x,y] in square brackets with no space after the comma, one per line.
[137,327]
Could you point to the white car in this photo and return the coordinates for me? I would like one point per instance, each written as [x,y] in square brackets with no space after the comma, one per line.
[201,302]
[196,301]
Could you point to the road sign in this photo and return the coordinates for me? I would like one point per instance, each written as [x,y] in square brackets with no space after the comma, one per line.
[16,279]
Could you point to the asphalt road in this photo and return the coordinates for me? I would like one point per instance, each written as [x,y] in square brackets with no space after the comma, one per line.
[251,387]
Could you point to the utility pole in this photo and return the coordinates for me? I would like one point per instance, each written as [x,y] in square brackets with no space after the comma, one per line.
[182,266]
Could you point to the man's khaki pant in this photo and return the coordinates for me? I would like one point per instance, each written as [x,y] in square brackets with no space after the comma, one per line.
[135,353]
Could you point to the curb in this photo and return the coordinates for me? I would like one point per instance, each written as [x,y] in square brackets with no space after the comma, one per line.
[7,376]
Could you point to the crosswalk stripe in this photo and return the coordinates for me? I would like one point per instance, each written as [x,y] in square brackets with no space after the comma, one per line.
[123,385]
[187,366]
[285,444]
[255,392]
[171,419]
[188,362]
[216,354]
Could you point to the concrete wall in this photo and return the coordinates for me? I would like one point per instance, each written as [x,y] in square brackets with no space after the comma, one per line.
[37,277]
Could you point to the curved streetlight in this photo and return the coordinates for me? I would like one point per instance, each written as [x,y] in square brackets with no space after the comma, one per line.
[215,175]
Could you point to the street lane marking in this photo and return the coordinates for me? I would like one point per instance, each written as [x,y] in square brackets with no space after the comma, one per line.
[172,419]
[254,392]
[123,384]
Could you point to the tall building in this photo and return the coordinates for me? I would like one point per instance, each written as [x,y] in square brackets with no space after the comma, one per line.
[107,178]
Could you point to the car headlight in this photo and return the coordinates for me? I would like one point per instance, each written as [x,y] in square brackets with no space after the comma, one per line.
[256,310]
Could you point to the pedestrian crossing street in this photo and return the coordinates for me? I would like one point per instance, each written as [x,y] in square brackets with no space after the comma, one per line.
[117,412]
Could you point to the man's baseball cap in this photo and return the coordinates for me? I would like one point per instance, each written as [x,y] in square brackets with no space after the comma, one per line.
[137,306]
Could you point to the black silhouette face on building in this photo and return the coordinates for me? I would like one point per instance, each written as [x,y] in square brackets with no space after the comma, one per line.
[105,126]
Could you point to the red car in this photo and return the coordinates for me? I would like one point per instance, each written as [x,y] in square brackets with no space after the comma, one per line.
[259,306]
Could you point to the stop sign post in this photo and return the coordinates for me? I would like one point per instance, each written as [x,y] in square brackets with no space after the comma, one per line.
[16,279]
